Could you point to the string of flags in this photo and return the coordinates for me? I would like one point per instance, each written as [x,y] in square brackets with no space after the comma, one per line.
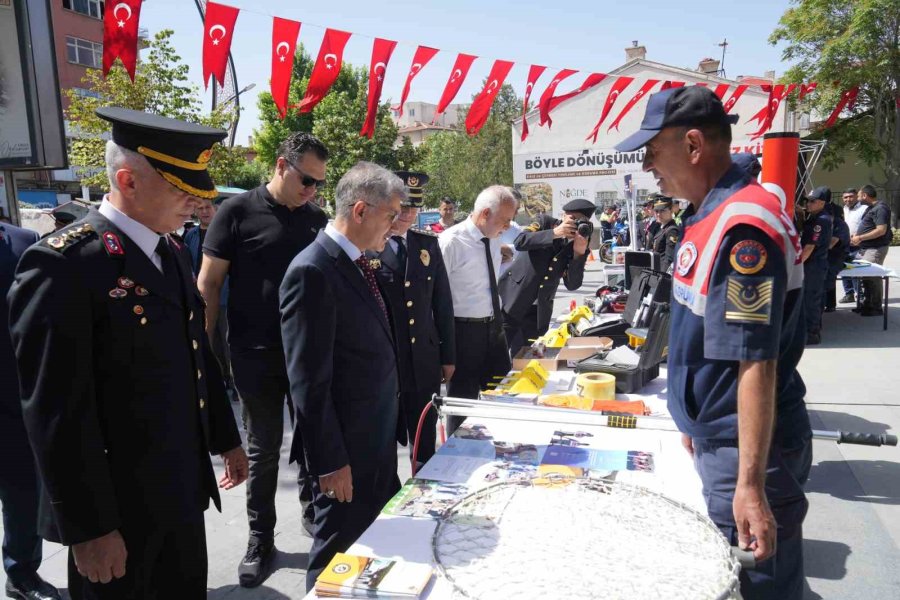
[120,40]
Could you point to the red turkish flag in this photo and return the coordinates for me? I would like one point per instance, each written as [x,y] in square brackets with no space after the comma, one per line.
[218,29]
[672,84]
[327,68]
[420,59]
[848,100]
[381,55]
[284,42]
[735,96]
[547,96]
[721,90]
[617,88]
[457,76]
[533,74]
[775,95]
[806,88]
[481,106]
[120,35]
[645,89]
[590,81]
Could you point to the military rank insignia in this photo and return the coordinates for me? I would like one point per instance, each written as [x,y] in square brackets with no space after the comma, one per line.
[749,300]
[112,243]
[533,227]
[748,257]
[425,257]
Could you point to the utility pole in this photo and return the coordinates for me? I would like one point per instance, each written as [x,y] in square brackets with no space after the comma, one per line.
[723,46]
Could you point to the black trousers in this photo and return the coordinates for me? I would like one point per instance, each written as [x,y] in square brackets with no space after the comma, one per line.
[338,525]
[163,563]
[520,332]
[19,494]
[261,380]
[481,355]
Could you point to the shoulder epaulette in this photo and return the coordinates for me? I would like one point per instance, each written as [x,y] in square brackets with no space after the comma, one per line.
[66,238]
[424,232]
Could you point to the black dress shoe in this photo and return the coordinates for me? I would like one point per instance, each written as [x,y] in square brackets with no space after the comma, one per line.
[32,588]
[813,338]
[257,563]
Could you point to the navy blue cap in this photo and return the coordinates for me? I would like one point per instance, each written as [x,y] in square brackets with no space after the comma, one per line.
[822,193]
[691,105]
[748,162]
[580,205]
[415,183]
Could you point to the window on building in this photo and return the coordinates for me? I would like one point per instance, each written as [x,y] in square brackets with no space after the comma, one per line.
[84,52]
[642,195]
[412,112]
[91,8]
[607,198]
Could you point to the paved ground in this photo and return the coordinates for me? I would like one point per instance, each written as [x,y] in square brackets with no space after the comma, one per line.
[852,545]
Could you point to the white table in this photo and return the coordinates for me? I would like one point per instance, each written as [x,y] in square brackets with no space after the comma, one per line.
[863,269]
[409,538]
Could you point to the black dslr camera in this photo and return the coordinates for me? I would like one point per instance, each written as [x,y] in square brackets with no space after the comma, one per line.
[585,228]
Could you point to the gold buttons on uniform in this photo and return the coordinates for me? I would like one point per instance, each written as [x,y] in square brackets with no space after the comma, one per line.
[138,309]
[405,284]
[195,344]
[412,321]
[412,340]
[429,278]
[408,303]
[541,286]
[191,316]
[143,320]
[546,277]
[202,402]
[199,374]
[551,268]
[555,259]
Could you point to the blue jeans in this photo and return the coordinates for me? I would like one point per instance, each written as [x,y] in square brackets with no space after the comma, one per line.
[19,493]
[781,576]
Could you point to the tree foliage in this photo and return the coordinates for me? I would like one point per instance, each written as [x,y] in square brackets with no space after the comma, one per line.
[841,44]
[161,86]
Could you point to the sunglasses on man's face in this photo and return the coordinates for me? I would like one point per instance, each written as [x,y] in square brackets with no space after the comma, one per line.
[308,180]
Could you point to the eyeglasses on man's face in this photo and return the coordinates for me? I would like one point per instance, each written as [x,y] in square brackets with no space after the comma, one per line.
[393,214]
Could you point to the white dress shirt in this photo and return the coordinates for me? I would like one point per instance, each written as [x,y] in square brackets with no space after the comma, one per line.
[853,216]
[508,238]
[467,269]
[341,240]
[145,238]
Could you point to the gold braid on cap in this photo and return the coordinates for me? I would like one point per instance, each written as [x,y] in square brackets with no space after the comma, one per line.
[186,187]
[200,165]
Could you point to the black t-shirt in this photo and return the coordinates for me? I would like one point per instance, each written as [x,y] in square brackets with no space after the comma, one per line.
[877,214]
[260,238]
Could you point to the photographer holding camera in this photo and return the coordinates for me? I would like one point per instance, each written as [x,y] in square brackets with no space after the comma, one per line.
[549,250]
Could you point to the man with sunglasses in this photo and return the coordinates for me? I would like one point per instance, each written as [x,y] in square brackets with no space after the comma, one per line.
[252,240]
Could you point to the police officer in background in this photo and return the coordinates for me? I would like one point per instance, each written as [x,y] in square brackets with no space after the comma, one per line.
[649,223]
[734,389]
[548,250]
[415,284]
[816,240]
[122,398]
[666,237]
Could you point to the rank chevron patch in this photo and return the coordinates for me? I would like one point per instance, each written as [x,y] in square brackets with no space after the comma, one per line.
[749,300]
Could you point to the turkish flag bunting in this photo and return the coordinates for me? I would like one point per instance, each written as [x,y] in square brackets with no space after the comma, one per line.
[420,59]
[481,106]
[735,96]
[457,76]
[120,35]
[776,93]
[701,84]
[806,88]
[590,81]
[327,68]
[381,55]
[848,99]
[645,89]
[284,42]
[672,84]
[617,88]
[547,96]
[533,74]
[776,96]
[721,90]
[218,29]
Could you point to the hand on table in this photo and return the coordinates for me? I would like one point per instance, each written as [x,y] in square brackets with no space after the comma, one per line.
[102,559]
[340,482]
[756,526]
[237,467]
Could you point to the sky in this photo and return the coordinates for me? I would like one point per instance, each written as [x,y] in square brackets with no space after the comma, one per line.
[590,36]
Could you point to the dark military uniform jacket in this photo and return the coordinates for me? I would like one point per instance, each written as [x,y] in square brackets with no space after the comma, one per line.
[536,270]
[664,243]
[122,399]
[421,307]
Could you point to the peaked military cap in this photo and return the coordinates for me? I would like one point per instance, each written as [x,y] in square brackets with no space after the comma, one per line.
[415,186]
[580,205]
[179,151]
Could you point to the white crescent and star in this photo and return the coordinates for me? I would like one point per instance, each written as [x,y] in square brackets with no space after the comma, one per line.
[287,48]
[456,74]
[528,88]
[213,29]
[121,23]
[378,75]
[330,65]
[415,69]
[491,86]
[614,95]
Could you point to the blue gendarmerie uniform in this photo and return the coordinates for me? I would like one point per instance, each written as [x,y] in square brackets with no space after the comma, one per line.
[737,296]
[817,232]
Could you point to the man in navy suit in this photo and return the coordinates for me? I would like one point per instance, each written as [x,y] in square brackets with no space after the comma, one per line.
[341,363]
[18,478]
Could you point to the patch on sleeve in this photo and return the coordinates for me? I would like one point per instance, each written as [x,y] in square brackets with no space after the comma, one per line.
[748,257]
[536,226]
[749,300]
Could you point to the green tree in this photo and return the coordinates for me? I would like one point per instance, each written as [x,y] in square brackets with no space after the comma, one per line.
[161,86]
[841,44]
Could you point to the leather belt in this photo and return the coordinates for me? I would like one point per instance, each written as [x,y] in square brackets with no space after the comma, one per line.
[474,319]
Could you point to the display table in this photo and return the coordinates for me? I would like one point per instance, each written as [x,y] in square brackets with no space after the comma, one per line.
[861,269]
[464,470]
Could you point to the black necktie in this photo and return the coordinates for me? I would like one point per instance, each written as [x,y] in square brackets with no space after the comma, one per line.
[401,249]
[495,296]
[166,257]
